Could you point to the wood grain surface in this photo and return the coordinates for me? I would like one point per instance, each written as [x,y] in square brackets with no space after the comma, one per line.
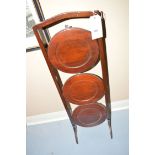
[72,50]
[89,115]
[83,89]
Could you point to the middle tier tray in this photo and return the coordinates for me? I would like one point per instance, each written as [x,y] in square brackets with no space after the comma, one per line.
[83,89]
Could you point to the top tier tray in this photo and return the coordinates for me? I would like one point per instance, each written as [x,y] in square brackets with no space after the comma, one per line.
[72,50]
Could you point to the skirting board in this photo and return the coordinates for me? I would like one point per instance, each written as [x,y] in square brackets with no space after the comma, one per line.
[62,115]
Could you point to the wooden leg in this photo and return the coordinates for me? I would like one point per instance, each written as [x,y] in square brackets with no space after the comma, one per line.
[108,107]
[110,128]
[105,75]
[75,133]
[58,82]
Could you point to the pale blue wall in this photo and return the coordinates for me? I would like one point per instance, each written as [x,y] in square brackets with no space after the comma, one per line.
[57,138]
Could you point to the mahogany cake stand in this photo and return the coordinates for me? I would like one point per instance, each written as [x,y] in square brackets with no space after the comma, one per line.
[73,51]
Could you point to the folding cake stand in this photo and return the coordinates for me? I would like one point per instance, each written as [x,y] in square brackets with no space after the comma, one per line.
[73,51]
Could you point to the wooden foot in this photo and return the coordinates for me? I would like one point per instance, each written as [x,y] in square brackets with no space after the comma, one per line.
[110,128]
[75,133]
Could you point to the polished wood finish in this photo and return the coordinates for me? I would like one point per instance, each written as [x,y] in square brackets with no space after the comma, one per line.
[105,72]
[72,50]
[83,89]
[103,57]
[63,17]
[90,115]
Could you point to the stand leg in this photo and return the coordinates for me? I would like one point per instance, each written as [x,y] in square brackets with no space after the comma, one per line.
[57,80]
[75,133]
[110,128]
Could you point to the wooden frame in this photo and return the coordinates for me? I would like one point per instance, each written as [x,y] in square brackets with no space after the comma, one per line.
[54,73]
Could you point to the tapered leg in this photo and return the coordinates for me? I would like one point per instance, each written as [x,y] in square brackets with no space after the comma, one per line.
[110,128]
[108,106]
[75,133]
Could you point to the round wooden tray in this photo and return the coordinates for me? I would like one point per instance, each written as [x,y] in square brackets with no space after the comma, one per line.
[73,51]
[89,115]
[83,89]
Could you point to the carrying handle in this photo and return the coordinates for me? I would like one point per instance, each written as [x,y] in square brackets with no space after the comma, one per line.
[65,16]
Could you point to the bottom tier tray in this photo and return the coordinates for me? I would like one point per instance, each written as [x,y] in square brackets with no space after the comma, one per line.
[89,115]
